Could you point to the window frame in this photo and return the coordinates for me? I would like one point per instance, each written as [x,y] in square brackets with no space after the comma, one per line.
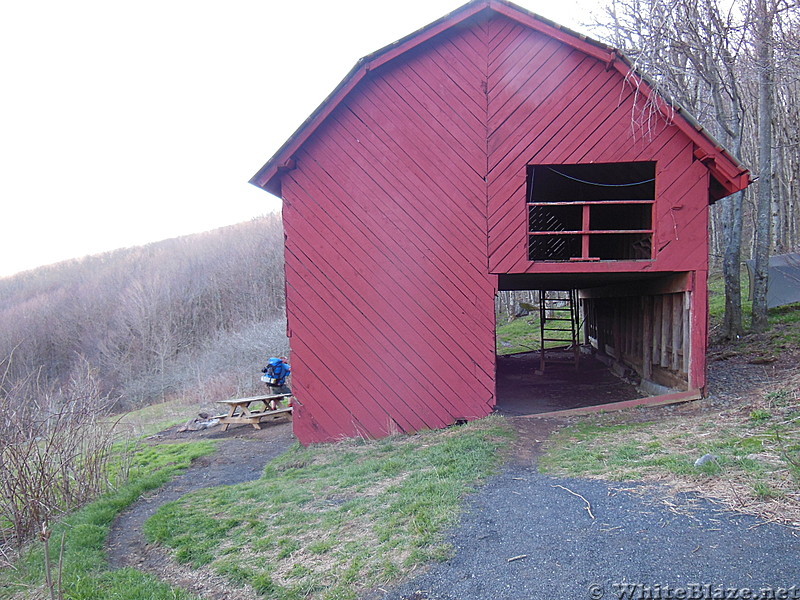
[586,233]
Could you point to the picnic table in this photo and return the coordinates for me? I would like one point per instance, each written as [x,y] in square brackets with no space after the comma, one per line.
[239,410]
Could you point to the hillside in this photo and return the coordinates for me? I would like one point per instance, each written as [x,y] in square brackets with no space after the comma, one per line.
[198,313]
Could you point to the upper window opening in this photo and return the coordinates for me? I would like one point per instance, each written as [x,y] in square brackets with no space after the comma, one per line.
[591,211]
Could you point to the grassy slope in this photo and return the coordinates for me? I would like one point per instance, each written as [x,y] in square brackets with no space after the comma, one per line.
[784,321]
[322,521]
[330,520]
[86,575]
[157,417]
[523,335]
[760,451]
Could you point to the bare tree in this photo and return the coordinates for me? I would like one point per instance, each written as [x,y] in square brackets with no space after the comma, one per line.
[765,11]
[734,64]
[54,452]
[774,28]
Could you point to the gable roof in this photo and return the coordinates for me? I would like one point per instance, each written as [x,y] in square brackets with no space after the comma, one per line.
[729,175]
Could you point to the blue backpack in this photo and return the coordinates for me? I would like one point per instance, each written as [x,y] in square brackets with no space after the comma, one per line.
[275,372]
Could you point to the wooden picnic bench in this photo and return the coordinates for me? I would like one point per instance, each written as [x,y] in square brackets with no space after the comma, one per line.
[239,410]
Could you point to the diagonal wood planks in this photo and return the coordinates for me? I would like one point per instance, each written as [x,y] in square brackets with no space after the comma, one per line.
[405,203]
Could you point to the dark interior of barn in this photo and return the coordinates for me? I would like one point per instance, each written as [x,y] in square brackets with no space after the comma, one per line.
[627,340]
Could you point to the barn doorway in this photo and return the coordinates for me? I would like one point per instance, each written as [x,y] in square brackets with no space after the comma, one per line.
[628,339]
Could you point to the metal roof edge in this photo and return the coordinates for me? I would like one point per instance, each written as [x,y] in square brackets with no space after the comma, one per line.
[733,177]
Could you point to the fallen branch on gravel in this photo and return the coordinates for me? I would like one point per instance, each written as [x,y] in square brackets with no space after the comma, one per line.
[588,506]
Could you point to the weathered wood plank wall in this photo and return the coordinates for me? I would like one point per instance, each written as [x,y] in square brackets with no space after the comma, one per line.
[388,291]
[649,333]
[572,109]
[408,200]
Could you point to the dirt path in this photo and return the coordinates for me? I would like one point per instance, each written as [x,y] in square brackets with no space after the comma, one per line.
[241,456]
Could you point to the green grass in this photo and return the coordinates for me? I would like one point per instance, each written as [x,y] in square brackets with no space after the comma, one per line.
[523,335]
[584,449]
[630,451]
[756,455]
[519,335]
[784,324]
[330,520]
[157,417]
[784,321]
[86,574]
[716,297]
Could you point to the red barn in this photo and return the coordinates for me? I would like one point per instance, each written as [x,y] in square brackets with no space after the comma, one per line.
[492,149]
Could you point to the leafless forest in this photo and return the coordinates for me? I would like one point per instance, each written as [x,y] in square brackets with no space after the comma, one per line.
[196,314]
[81,340]
[735,66]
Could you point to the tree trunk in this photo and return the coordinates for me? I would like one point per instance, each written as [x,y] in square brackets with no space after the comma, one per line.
[732,322]
[763,220]
[780,216]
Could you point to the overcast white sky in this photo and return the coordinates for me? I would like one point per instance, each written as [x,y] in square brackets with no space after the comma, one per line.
[123,123]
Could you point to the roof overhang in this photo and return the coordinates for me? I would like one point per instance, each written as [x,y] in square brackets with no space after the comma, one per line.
[728,174]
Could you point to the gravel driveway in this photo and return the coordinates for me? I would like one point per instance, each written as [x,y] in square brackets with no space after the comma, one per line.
[635,537]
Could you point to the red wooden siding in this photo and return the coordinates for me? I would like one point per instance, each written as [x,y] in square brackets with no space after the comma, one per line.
[390,305]
[404,199]
[573,109]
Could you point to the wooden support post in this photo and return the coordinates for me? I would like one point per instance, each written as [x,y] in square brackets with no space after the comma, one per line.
[634,316]
[666,313]
[687,337]
[677,330]
[574,313]
[623,326]
[647,337]
[640,332]
[586,217]
[656,337]
[542,319]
